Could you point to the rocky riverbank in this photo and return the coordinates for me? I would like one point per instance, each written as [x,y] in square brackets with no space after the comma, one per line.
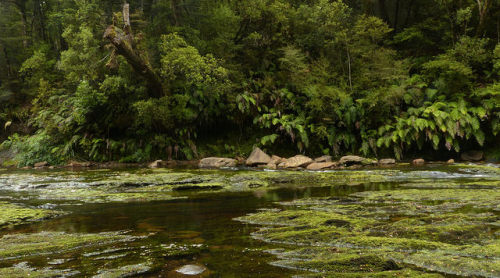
[258,159]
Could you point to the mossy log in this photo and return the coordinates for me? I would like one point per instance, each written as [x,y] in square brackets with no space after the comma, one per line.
[123,44]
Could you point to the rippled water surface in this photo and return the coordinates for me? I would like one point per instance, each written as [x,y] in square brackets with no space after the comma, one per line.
[151,224]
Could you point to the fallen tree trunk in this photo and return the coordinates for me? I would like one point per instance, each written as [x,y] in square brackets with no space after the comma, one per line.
[123,43]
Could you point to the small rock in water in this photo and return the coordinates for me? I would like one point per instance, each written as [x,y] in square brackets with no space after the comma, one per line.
[321,165]
[419,161]
[155,164]
[217,162]
[351,159]
[387,161]
[191,269]
[41,164]
[451,161]
[472,156]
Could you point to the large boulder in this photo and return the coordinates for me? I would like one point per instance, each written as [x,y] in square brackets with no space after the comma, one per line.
[321,165]
[324,158]
[296,161]
[472,156]
[217,162]
[258,157]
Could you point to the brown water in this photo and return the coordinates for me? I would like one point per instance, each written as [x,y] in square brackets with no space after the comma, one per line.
[202,219]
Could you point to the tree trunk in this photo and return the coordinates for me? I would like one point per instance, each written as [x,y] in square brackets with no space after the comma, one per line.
[124,44]
[396,16]
[483,7]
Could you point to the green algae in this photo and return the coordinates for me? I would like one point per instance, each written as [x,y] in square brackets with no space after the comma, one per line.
[125,271]
[22,270]
[451,231]
[480,168]
[12,214]
[35,244]
[483,184]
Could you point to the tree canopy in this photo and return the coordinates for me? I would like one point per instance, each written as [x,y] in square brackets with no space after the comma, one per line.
[100,80]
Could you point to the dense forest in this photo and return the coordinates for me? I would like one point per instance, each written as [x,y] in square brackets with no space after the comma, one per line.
[107,80]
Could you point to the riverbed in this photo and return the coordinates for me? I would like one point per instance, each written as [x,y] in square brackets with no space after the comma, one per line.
[430,221]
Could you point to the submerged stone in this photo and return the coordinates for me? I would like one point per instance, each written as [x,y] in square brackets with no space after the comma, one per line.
[191,269]
[124,271]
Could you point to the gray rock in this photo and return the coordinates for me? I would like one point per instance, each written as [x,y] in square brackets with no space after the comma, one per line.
[472,156]
[297,161]
[191,269]
[387,161]
[258,157]
[217,162]
[324,158]
[321,165]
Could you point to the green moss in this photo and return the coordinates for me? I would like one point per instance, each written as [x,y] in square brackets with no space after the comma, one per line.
[12,214]
[481,168]
[486,184]
[27,245]
[22,271]
[181,251]
[452,231]
[124,271]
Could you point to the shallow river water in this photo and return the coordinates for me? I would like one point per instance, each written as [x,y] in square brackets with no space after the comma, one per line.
[150,223]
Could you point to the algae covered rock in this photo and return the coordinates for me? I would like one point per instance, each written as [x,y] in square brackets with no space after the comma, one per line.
[28,245]
[258,157]
[11,214]
[217,162]
[395,232]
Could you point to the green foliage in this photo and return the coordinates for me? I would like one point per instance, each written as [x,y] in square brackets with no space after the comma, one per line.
[438,124]
[316,76]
